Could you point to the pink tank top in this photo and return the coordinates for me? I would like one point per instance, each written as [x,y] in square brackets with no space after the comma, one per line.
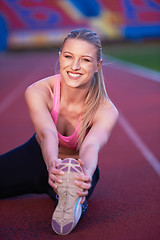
[67,141]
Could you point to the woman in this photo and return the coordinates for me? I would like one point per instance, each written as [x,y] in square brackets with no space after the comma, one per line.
[73,118]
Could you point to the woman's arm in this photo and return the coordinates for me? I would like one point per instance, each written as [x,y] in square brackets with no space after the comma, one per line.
[103,123]
[38,96]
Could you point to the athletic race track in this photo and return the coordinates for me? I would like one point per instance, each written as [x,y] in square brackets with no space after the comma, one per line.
[126,202]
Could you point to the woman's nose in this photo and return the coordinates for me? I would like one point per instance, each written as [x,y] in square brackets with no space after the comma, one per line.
[76,64]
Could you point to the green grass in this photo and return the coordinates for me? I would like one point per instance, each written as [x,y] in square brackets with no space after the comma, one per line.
[144,54]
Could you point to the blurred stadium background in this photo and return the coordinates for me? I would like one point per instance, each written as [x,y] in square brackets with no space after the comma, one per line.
[30,24]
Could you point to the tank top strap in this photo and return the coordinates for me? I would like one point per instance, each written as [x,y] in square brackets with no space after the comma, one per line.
[56,98]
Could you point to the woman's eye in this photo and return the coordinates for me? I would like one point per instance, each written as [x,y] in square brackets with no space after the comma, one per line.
[67,56]
[86,60]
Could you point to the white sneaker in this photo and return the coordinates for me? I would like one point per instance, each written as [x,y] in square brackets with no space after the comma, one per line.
[69,209]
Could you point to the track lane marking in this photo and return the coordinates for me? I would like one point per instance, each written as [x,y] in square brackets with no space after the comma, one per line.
[16,92]
[148,155]
[132,68]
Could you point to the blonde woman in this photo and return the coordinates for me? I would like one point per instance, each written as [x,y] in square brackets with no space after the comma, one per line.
[73,118]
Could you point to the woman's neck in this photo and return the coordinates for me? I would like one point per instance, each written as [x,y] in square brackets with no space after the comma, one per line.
[73,96]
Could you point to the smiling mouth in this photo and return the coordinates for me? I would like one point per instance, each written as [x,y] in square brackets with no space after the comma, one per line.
[74,75]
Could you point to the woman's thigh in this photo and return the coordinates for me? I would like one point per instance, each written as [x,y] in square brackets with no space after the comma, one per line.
[23,170]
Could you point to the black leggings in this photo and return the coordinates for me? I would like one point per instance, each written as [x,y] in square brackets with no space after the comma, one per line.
[23,171]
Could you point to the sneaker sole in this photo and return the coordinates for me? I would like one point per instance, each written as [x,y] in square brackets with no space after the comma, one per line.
[68,210]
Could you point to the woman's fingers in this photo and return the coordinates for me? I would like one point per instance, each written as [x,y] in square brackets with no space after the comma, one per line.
[83,181]
[83,185]
[58,162]
[54,174]
[86,176]
[82,193]
[54,177]
[82,200]
[53,185]
[55,171]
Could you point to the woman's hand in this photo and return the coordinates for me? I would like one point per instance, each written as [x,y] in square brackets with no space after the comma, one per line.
[53,173]
[83,181]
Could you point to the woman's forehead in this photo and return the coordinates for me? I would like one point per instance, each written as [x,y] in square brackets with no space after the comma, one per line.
[79,45]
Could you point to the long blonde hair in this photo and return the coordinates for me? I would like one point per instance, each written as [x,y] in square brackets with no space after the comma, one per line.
[97,91]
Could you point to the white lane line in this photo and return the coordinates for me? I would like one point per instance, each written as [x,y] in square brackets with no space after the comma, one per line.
[148,155]
[16,92]
[132,68]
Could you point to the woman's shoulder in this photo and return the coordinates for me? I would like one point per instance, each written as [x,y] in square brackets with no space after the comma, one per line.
[43,86]
[45,82]
[41,90]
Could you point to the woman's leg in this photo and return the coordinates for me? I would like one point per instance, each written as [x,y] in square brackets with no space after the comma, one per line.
[95,179]
[23,170]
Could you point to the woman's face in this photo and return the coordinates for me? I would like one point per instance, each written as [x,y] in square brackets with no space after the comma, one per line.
[78,63]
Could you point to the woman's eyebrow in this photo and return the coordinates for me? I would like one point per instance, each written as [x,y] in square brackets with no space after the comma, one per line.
[87,56]
[84,55]
[67,52]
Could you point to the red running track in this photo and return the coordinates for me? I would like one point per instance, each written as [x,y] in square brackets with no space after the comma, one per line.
[126,202]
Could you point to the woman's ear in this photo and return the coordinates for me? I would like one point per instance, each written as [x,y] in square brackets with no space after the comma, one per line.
[59,55]
[99,65]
